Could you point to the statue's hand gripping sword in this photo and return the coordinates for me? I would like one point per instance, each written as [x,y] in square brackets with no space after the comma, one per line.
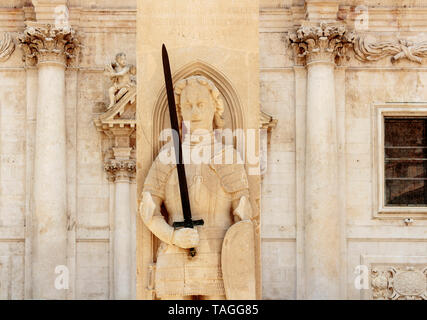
[185,200]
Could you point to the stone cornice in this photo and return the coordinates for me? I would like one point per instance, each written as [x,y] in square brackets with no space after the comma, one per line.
[48,44]
[325,42]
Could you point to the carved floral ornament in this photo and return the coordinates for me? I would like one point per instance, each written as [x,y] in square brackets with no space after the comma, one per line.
[41,43]
[330,42]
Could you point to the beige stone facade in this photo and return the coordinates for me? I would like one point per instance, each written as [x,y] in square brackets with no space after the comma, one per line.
[328,73]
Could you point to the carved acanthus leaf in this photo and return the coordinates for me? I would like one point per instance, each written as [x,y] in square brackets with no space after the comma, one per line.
[48,43]
[367,49]
[7,46]
[327,42]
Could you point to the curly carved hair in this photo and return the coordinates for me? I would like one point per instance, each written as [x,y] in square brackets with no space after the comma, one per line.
[215,94]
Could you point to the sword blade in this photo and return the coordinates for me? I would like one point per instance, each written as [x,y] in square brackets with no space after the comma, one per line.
[185,200]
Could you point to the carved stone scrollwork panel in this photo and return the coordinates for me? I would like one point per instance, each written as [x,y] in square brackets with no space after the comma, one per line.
[367,49]
[399,282]
[396,277]
[7,46]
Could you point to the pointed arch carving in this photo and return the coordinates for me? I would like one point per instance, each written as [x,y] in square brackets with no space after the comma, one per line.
[232,104]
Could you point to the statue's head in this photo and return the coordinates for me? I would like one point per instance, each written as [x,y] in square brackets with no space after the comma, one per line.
[121,59]
[199,103]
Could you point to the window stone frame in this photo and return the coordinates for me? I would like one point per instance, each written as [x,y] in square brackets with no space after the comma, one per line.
[380,111]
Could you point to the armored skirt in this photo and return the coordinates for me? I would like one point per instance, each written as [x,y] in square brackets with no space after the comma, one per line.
[212,189]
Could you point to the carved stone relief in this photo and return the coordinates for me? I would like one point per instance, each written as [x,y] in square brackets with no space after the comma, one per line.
[118,122]
[399,282]
[7,47]
[367,49]
[122,76]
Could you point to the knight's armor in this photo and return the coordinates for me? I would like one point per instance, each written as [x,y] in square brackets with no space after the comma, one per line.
[212,188]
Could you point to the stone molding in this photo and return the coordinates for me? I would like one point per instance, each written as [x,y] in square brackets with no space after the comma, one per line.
[367,49]
[48,44]
[267,121]
[7,47]
[325,42]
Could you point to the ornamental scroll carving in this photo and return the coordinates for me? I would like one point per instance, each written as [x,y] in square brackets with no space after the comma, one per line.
[324,42]
[366,49]
[42,43]
[399,282]
[7,46]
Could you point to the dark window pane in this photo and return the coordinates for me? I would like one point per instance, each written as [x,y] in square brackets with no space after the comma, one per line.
[405,152]
[405,161]
[405,192]
[405,168]
[404,132]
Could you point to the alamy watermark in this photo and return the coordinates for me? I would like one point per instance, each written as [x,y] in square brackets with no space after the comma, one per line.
[361,281]
[62,280]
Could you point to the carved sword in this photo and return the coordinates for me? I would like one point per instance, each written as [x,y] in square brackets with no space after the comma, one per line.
[185,200]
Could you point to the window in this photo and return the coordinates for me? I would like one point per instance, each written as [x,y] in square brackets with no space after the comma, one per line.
[405,161]
[399,160]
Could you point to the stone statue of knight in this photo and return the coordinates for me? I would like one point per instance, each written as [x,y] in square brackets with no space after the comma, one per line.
[219,194]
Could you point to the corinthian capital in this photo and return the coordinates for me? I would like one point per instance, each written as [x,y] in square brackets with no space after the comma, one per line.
[324,42]
[46,43]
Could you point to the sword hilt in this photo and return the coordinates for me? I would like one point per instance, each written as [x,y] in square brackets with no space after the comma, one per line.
[189,224]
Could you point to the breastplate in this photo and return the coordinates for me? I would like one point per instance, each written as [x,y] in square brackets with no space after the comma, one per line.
[208,199]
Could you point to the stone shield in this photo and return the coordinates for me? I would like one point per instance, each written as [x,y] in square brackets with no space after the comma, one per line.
[238,261]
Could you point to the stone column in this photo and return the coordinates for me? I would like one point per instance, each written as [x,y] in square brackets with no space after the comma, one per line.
[319,47]
[50,50]
[121,169]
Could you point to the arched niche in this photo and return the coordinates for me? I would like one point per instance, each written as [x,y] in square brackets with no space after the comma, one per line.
[233,114]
